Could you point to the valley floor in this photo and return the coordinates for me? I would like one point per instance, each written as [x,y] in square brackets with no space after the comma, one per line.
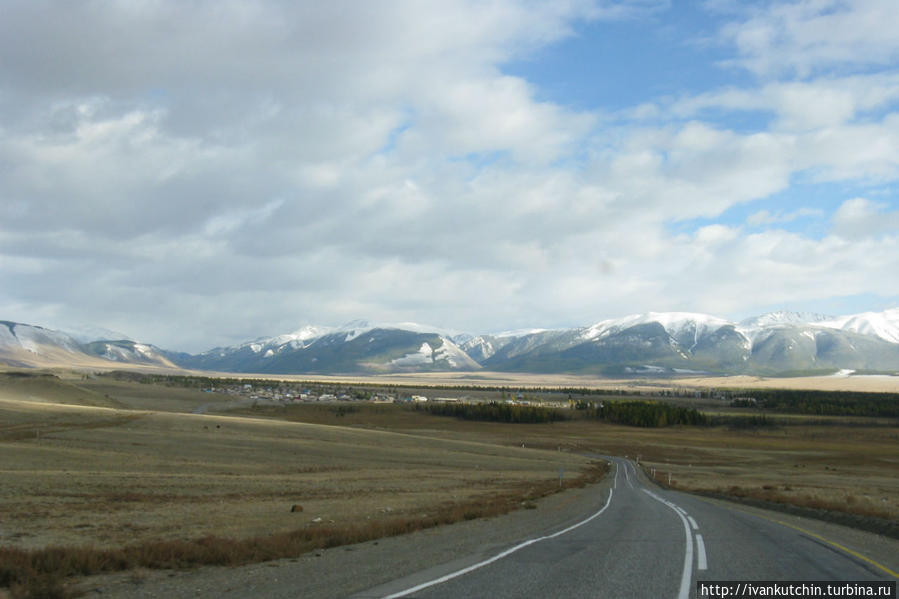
[113,464]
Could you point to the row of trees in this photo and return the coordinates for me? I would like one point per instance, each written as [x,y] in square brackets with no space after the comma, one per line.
[646,414]
[823,403]
[493,412]
[630,413]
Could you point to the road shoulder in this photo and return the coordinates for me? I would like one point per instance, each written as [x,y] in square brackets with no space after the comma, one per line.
[877,551]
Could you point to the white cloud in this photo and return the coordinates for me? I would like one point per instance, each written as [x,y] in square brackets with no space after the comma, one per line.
[808,36]
[860,218]
[493,114]
[239,169]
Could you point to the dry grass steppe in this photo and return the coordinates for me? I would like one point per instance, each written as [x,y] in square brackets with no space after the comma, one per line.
[107,476]
[108,464]
[840,465]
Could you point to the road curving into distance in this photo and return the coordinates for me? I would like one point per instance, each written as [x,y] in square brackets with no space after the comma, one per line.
[643,542]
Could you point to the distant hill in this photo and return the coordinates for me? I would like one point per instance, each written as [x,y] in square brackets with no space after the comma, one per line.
[28,346]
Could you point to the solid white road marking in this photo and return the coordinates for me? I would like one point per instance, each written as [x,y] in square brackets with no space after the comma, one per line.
[701,562]
[693,523]
[498,556]
[615,481]
[684,592]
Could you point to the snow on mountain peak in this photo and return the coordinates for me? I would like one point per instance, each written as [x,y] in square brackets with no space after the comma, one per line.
[88,333]
[305,333]
[674,323]
[784,317]
[35,339]
[519,333]
[360,327]
[884,325]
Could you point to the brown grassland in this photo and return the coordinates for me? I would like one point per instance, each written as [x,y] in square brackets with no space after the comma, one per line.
[843,465]
[104,475]
[101,475]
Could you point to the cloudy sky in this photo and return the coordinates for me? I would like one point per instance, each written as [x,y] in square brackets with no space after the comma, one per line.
[201,173]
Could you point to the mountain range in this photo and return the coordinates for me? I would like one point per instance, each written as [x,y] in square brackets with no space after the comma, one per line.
[654,343]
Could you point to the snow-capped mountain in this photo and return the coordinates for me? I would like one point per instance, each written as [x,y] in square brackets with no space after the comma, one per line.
[30,346]
[358,346]
[36,340]
[653,342]
[666,340]
[682,341]
[884,325]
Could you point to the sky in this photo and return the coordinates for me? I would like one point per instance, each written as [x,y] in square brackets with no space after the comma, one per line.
[197,174]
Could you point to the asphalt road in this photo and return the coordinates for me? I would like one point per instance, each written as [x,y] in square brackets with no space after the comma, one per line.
[642,542]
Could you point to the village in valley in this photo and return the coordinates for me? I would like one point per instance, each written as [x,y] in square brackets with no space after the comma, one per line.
[282,393]
[268,392]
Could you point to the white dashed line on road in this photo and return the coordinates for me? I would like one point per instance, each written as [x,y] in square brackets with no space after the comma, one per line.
[701,561]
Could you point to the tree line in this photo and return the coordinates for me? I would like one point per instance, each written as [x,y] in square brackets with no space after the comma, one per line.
[493,412]
[647,414]
[821,403]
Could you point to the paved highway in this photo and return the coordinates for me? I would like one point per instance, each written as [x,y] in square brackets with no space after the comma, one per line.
[641,542]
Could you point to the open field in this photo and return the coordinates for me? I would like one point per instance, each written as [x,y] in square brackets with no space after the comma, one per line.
[849,467]
[110,463]
[83,474]
[877,383]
